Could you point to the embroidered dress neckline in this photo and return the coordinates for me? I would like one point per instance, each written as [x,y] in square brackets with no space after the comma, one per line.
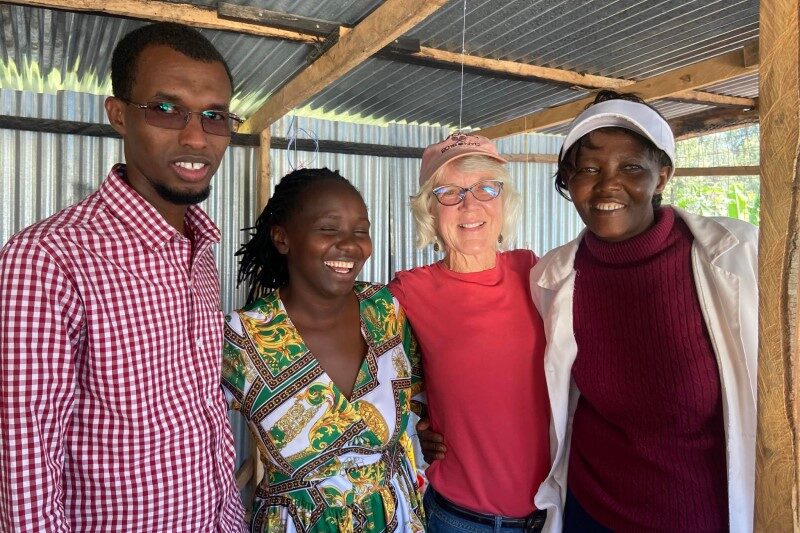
[363,369]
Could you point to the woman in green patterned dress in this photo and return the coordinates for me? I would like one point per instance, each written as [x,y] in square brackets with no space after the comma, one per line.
[322,367]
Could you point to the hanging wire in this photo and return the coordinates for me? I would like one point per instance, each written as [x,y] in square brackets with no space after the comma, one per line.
[293,132]
[294,137]
[463,51]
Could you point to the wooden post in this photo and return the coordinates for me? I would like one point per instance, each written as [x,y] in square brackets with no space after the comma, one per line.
[777,486]
[262,190]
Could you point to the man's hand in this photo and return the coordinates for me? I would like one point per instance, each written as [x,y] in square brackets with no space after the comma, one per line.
[432,443]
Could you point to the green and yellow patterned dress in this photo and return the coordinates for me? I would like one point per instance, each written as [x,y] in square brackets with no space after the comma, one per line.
[331,464]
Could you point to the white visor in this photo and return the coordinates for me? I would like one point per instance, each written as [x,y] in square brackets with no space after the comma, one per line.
[622,114]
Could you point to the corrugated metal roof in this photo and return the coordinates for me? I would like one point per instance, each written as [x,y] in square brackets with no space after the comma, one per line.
[746,86]
[621,38]
[628,39]
[56,50]
[395,92]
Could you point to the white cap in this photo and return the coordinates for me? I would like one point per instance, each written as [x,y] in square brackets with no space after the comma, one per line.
[622,114]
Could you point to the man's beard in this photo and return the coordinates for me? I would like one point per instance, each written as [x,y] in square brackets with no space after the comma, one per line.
[181,198]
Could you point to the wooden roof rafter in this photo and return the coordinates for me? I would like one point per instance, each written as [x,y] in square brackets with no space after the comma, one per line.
[712,121]
[253,21]
[569,77]
[387,22]
[695,76]
[434,57]
[163,11]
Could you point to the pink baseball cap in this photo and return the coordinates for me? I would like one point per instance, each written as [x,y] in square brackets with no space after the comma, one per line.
[453,147]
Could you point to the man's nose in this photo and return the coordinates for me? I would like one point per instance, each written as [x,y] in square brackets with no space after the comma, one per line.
[192,134]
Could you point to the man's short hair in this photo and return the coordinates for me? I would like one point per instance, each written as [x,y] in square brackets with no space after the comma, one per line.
[180,38]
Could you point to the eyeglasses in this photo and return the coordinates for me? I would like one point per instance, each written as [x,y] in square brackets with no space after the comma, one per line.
[483,190]
[176,117]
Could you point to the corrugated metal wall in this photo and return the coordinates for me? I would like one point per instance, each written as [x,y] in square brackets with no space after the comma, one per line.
[41,173]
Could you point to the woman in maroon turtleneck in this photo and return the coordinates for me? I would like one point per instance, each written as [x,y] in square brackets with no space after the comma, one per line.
[650,318]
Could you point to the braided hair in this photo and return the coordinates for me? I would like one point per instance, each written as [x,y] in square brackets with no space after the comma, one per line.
[261,265]
[566,167]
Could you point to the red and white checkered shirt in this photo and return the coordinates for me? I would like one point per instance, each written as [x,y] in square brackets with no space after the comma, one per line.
[111,413]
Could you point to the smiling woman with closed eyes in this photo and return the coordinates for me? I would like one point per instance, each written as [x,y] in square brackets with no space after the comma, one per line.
[322,367]
[651,317]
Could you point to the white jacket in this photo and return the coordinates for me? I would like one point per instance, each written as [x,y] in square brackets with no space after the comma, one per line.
[724,262]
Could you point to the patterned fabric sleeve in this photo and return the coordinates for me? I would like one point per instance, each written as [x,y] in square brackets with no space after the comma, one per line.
[40,330]
[234,362]
[411,348]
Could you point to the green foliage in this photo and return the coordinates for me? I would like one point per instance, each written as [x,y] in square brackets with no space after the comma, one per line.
[735,197]
[732,196]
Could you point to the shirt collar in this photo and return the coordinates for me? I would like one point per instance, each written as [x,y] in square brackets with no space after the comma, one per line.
[145,221]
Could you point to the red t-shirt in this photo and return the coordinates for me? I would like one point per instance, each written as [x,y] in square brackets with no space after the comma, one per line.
[483,343]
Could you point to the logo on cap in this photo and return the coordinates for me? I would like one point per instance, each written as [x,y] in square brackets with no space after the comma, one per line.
[461,139]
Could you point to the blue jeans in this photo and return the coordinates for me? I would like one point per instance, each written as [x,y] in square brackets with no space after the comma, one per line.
[442,521]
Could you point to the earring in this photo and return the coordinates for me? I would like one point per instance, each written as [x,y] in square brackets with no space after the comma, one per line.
[436,246]
[500,239]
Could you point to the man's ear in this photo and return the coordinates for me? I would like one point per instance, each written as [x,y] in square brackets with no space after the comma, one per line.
[115,110]
[279,239]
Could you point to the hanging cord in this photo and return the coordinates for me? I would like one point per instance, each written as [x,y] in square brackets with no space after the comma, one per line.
[293,132]
[463,51]
[294,139]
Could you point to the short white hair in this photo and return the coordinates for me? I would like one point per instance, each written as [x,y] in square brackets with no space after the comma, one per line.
[423,202]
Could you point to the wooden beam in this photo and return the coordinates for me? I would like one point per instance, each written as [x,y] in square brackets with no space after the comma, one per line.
[718,171]
[777,464]
[67,127]
[531,158]
[552,159]
[711,121]
[162,11]
[264,167]
[244,474]
[701,74]
[706,98]
[388,22]
[265,17]
[567,77]
[64,127]
[524,70]
[258,464]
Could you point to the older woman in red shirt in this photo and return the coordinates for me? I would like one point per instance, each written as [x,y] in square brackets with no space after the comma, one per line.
[482,343]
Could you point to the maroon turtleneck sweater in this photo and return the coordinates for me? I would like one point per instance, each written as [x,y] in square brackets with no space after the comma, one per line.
[648,443]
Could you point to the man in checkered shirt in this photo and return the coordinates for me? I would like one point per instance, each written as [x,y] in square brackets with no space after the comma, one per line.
[111,412]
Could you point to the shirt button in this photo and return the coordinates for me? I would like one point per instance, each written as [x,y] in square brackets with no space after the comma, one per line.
[199,343]
[209,400]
